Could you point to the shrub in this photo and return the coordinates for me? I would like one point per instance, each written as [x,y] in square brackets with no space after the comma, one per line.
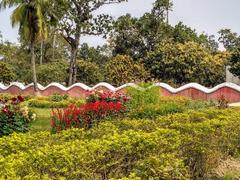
[86,115]
[188,145]
[180,100]
[182,63]
[152,111]
[107,97]
[52,72]
[47,104]
[55,101]
[199,104]
[14,117]
[146,94]
[111,156]
[58,97]
[88,72]
[122,69]
[207,136]
[7,74]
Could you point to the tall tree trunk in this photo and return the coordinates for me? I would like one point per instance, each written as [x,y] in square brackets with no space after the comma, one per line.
[72,65]
[54,44]
[36,91]
[167,16]
[75,71]
[41,53]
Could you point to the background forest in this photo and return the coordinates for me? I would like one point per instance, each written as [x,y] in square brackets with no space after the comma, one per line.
[137,49]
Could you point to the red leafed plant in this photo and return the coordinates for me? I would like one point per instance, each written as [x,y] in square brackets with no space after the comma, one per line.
[86,115]
[107,97]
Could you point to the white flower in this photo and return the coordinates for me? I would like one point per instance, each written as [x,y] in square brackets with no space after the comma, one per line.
[33,116]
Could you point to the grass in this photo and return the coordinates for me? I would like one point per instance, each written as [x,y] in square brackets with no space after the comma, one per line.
[42,122]
[231,175]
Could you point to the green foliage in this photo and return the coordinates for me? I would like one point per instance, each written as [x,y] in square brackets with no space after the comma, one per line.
[187,146]
[229,39]
[55,101]
[88,72]
[152,111]
[7,73]
[42,122]
[199,104]
[206,135]
[98,55]
[122,69]
[58,97]
[184,63]
[146,94]
[52,72]
[72,155]
[14,117]
[234,62]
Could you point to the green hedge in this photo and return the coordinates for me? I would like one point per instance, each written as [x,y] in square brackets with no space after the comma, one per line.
[113,155]
[179,146]
[44,102]
[152,111]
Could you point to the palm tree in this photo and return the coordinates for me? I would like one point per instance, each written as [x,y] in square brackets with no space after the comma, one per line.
[29,15]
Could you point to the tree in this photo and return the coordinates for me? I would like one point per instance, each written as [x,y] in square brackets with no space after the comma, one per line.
[7,74]
[98,55]
[78,18]
[122,69]
[182,33]
[32,27]
[179,63]
[234,62]
[229,39]
[88,72]
[53,72]
[1,38]
[161,9]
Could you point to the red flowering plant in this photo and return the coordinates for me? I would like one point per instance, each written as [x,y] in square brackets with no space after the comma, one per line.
[14,117]
[107,97]
[98,107]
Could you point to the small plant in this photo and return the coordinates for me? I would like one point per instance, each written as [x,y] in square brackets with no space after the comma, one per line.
[58,97]
[14,117]
[107,97]
[146,94]
[222,103]
[86,115]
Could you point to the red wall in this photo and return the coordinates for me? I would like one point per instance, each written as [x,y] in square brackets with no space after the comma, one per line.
[230,92]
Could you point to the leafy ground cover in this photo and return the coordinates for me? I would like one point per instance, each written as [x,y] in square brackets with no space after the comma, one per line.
[43,119]
[135,136]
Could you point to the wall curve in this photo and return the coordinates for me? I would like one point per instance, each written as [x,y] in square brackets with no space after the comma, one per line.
[229,91]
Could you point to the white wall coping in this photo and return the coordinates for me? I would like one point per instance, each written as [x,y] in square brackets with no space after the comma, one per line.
[112,88]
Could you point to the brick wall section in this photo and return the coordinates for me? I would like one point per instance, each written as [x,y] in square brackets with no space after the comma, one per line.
[193,90]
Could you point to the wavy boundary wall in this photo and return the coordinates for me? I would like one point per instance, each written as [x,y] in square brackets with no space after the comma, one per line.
[193,90]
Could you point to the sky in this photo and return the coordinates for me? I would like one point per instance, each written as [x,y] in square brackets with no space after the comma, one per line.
[207,16]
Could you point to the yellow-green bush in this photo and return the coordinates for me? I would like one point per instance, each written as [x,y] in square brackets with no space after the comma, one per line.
[111,156]
[7,73]
[178,146]
[122,69]
[152,111]
[53,102]
[47,104]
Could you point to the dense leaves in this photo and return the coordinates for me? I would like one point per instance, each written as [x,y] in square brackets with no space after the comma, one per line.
[13,116]
[7,73]
[178,63]
[181,146]
[88,72]
[122,69]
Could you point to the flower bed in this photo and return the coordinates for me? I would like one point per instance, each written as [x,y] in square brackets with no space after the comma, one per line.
[99,106]
[14,117]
